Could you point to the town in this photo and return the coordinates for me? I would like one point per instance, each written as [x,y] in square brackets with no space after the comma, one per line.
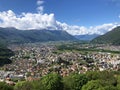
[32,61]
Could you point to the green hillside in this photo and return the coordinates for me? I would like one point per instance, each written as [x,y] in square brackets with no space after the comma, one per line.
[112,37]
[5,54]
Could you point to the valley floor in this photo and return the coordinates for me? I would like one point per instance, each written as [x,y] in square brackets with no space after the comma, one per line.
[32,61]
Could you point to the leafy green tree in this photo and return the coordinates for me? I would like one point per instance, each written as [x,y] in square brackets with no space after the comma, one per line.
[51,81]
[118,86]
[106,76]
[118,82]
[93,85]
[36,85]
[92,75]
[74,81]
[98,85]
[4,86]
[110,88]
[23,85]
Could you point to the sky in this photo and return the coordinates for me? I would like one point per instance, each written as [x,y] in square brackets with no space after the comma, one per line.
[77,17]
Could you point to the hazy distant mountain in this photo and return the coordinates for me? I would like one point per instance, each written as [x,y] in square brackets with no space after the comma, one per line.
[86,37]
[112,37]
[12,35]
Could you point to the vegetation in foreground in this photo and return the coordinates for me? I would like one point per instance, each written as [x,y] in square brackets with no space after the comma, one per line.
[105,80]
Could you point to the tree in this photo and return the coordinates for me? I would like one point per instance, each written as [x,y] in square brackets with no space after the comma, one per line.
[51,81]
[93,85]
[4,86]
[36,85]
[118,82]
[110,87]
[106,76]
[74,81]
[23,85]
[93,75]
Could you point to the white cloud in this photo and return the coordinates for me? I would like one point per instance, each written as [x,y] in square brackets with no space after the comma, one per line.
[40,8]
[26,21]
[119,16]
[40,20]
[81,30]
[40,2]
[101,29]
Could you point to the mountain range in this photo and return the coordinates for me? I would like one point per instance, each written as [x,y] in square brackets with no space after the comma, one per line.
[86,37]
[111,37]
[12,35]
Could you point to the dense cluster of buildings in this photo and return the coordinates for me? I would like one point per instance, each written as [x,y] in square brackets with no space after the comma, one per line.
[34,61]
